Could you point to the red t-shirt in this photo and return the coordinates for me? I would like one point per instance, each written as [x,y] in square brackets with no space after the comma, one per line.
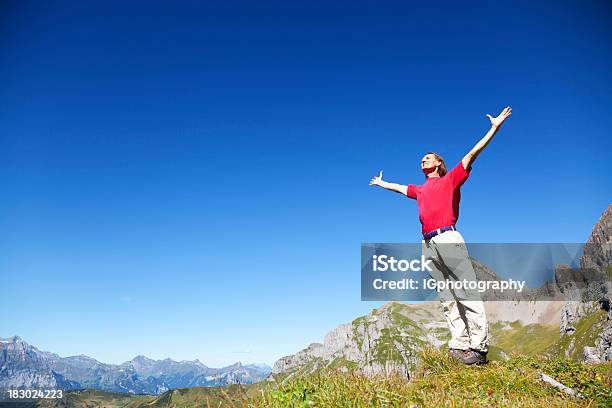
[438,199]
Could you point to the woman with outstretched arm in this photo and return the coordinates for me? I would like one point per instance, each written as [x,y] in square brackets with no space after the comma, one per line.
[438,204]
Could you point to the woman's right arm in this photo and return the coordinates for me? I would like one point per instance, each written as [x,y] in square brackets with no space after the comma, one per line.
[398,188]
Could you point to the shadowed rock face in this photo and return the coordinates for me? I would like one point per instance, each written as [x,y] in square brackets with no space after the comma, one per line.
[24,366]
[598,249]
[595,295]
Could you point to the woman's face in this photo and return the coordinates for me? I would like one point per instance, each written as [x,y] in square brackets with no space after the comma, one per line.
[429,163]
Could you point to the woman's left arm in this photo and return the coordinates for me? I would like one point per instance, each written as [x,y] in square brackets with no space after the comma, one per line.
[469,158]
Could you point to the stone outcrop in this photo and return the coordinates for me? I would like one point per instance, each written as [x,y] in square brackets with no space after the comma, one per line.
[387,340]
[589,292]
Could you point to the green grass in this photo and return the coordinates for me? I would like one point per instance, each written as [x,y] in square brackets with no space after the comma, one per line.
[441,381]
[96,398]
[231,396]
[587,331]
[529,339]
[360,322]
[342,364]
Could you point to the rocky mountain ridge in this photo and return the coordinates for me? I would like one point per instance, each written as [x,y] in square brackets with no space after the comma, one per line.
[24,366]
[592,298]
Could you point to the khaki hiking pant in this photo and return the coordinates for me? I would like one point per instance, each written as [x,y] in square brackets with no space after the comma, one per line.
[463,309]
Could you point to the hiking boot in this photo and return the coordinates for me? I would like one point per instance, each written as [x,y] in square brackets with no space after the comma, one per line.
[457,354]
[472,356]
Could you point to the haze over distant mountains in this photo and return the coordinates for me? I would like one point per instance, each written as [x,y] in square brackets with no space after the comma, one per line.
[24,366]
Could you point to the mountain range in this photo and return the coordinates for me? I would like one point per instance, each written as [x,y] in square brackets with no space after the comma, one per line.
[24,366]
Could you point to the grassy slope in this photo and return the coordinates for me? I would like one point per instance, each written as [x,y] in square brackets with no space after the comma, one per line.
[232,396]
[532,339]
[587,331]
[440,381]
[96,398]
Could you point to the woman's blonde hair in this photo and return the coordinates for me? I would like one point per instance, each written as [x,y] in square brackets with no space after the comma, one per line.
[442,168]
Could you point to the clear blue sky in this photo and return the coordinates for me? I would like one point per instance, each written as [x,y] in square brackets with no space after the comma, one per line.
[191,180]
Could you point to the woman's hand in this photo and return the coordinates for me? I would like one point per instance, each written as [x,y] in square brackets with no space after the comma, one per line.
[502,116]
[377,180]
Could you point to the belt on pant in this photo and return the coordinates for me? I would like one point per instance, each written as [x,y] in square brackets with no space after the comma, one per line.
[433,233]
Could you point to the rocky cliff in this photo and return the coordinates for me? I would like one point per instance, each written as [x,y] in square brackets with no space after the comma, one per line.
[386,340]
[586,318]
